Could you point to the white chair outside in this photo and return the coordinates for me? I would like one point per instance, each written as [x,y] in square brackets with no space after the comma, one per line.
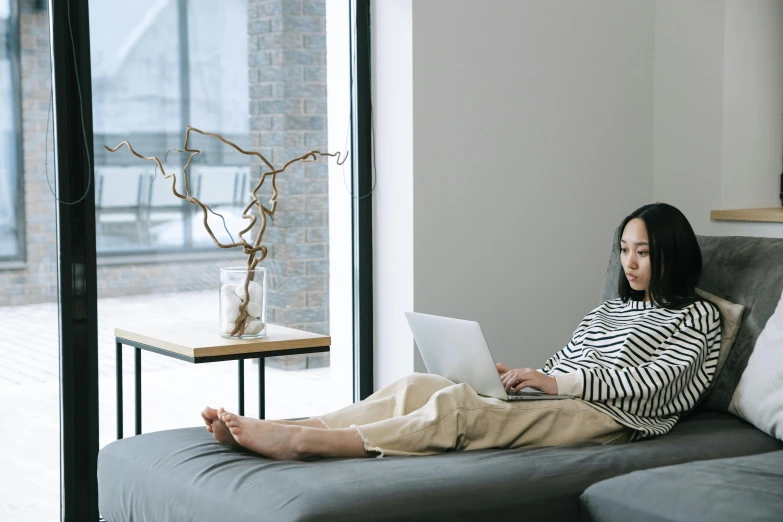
[222,188]
[164,213]
[118,201]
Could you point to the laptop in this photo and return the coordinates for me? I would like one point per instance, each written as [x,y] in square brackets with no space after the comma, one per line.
[457,350]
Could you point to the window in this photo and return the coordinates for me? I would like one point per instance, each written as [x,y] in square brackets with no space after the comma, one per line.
[256,74]
[11,176]
[313,266]
[157,68]
[29,333]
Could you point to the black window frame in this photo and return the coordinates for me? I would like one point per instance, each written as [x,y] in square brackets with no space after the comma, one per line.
[14,55]
[76,240]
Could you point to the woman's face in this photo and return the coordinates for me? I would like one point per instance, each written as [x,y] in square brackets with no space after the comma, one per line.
[635,256]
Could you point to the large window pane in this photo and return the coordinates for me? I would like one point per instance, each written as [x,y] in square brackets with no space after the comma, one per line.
[160,67]
[257,74]
[10,162]
[29,384]
[137,95]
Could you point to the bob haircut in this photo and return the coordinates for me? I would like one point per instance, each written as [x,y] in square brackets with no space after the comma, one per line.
[675,258]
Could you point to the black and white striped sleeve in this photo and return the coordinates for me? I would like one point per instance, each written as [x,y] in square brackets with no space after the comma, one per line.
[671,382]
[576,340]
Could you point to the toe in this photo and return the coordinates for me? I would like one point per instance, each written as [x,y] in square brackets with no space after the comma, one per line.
[210,413]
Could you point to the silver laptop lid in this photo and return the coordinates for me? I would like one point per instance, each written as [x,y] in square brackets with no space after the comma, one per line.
[457,350]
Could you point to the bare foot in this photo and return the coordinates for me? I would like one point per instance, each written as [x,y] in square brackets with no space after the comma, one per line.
[209,415]
[272,440]
[308,423]
[217,427]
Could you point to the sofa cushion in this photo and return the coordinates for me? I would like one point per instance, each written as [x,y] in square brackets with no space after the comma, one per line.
[744,270]
[185,475]
[759,394]
[730,320]
[744,488]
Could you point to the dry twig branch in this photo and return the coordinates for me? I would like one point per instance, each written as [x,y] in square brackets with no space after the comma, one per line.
[250,250]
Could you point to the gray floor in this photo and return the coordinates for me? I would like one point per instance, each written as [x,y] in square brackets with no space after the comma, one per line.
[173,391]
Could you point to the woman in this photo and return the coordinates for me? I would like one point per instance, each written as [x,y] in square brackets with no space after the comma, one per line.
[634,364]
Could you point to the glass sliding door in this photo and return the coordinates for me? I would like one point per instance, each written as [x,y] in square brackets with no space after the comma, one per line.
[29,339]
[271,77]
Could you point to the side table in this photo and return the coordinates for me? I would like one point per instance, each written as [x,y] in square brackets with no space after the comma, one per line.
[200,342]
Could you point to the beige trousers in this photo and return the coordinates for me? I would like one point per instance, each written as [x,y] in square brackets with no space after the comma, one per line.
[424,414]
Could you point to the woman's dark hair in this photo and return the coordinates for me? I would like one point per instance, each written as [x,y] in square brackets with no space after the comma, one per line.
[675,257]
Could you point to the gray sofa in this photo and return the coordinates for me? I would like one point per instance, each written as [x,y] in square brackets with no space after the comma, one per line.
[184,474]
[741,488]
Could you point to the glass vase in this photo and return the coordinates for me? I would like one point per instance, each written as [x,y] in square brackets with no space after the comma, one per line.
[242,294]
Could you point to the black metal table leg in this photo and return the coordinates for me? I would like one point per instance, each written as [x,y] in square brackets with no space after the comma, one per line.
[261,389]
[119,391]
[137,370]
[138,347]
[241,386]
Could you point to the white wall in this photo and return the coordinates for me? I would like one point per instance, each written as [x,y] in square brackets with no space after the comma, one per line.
[719,110]
[532,127]
[393,197]
[689,107]
[536,127]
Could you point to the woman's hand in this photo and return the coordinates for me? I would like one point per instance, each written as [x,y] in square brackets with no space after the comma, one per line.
[502,368]
[515,380]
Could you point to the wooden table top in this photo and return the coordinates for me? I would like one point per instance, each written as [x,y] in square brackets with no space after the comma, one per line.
[201,339]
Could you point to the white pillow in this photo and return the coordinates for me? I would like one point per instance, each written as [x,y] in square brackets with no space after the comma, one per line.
[759,395]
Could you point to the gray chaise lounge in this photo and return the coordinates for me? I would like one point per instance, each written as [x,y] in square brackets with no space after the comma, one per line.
[184,474]
[730,490]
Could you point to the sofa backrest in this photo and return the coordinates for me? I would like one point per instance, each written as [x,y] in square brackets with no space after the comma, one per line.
[744,270]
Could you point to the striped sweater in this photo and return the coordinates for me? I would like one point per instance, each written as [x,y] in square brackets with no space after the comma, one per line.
[641,364]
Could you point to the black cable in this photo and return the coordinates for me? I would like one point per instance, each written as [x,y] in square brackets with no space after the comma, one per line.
[81,114]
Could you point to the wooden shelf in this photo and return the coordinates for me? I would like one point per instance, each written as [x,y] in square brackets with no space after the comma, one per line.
[769,215]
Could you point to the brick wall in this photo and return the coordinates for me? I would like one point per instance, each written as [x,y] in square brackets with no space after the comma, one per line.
[287,59]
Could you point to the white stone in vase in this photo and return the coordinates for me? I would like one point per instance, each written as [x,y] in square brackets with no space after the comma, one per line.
[226,327]
[229,308]
[256,292]
[253,327]
[228,293]
[254,309]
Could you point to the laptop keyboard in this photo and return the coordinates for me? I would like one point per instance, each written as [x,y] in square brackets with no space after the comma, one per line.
[521,393]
